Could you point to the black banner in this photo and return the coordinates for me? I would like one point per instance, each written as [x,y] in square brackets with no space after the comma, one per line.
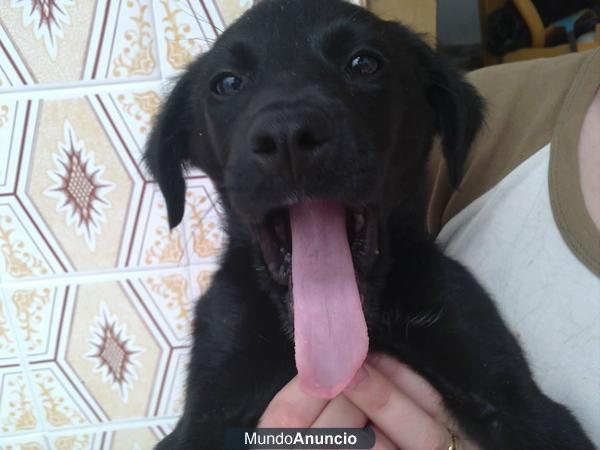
[299,438]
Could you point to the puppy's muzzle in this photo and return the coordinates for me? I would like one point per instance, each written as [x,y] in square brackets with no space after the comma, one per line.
[292,139]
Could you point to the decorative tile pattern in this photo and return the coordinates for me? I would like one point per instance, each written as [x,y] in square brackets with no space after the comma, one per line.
[8,344]
[79,187]
[202,222]
[114,353]
[96,293]
[135,54]
[188,28]
[26,443]
[25,252]
[17,411]
[61,406]
[47,19]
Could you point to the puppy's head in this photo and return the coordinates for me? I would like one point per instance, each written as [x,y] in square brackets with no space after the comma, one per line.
[314,119]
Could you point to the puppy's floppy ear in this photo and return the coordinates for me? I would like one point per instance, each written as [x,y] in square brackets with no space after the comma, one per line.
[458,108]
[459,112]
[167,149]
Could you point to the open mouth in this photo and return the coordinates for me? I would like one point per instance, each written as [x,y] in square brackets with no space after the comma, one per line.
[320,249]
[275,238]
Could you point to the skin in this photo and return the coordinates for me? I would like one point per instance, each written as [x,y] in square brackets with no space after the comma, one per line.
[405,411]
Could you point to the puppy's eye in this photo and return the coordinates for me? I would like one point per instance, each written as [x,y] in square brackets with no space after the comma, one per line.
[364,65]
[227,84]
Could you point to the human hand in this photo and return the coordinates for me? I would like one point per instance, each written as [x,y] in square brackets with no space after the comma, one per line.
[403,409]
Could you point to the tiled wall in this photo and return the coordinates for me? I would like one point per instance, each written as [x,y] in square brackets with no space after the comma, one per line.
[95,292]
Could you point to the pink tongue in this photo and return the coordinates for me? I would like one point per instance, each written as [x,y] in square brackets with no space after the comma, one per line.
[329,325]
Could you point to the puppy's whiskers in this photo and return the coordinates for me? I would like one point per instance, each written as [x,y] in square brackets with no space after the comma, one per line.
[190,12]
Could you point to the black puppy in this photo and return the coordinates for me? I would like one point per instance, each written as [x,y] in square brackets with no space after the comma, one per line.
[314,120]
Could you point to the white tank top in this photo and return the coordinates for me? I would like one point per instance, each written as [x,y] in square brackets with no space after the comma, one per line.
[551,301]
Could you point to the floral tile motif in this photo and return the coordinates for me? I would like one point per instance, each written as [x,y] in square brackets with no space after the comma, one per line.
[25,443]
[112,349]
[8,340]
[4,117]
[62,407]
[29,304]
[78,183]
[139,438]
[76,441]
[24,253]
[114,353]
[153,244]
[119,353]
[47,19]
[79,186]
[135,52]
[203,222]
[86,194]
[35,310]
[17,410]
[200,278]
[169,295]
[135,439]
[85,363]
[186,29]
[137,108]
[64,41]
[44,37]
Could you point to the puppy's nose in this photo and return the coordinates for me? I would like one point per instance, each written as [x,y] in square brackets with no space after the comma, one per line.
[298,138]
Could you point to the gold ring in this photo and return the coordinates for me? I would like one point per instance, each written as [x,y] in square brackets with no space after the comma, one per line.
[453,441]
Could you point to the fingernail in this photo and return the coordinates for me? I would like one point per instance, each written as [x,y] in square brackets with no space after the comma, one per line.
[361,375]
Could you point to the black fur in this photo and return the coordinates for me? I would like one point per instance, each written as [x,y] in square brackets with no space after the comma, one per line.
[292,55]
